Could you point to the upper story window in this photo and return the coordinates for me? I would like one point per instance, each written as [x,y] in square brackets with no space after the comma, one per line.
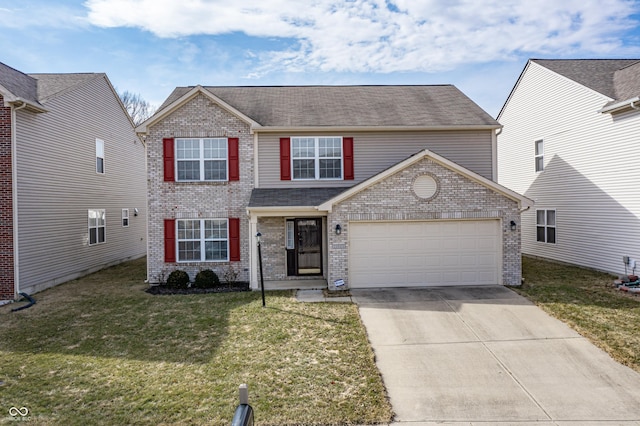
[97,226]
[539,157]
[316,158]
[99,156]
[125,217]
[203,159]
[546,226]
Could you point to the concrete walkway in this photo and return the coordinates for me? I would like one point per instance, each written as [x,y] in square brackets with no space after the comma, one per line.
[485,355]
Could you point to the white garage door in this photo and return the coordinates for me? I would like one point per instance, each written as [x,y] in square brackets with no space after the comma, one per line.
[437,253]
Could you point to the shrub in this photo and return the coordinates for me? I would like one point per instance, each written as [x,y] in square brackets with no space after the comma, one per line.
[230,275]
[206,279]
[178,279]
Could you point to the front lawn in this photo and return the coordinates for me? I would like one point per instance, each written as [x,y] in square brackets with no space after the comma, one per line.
[585,300]
[101,351]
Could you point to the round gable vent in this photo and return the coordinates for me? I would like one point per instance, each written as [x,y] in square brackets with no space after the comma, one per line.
[425,186]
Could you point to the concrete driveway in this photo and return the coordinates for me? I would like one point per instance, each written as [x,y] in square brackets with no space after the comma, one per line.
[485,355]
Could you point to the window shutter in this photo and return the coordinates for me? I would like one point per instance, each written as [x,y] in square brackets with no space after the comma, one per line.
[169,240]
[234,161]
[285,159]
[234,239]
[347,152]
[169,160]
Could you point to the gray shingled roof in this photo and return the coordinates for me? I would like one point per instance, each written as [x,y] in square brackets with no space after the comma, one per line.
[52,84]
[350,106]
[19,84]
[292,197]
[615,78]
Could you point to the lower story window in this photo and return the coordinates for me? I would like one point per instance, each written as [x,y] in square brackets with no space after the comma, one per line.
[546,226]
[203,240]
[97,226]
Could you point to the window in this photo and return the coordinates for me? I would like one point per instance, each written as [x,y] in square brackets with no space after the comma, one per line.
[539,158]
[125,217]
[290,235]
[316,157]
[203,240]
[97,226]
[99,156]
[201,159]
[546,226]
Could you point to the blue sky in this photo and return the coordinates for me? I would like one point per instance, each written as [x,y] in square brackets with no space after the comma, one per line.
[151,46]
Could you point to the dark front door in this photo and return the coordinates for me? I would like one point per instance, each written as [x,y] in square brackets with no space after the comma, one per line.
[306,258]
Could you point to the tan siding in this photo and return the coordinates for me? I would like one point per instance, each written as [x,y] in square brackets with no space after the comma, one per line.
[377,151]
[589,177]
[57,184]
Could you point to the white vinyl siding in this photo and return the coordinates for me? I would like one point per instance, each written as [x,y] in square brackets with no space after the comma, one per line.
[588,173]
[52,207]
[377,151]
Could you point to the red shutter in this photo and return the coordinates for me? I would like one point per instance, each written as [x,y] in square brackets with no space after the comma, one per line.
[285,159]
[234,162]
[169,160]
[234,239]
[169,240]
[347,152]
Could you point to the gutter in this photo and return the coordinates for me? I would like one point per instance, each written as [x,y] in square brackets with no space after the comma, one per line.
[619,106]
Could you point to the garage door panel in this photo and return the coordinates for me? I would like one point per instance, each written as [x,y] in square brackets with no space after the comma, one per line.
[401,254]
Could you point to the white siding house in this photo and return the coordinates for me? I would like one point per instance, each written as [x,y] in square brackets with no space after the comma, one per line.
[570,142]
[77,179]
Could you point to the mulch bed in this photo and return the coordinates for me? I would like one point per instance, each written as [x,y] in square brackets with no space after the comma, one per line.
[224,288]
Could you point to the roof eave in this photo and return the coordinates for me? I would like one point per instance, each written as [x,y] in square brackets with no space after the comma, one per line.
[284,211]
[620,106]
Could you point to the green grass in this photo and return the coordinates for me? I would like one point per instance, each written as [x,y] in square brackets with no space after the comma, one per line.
[585,300]
[101,351]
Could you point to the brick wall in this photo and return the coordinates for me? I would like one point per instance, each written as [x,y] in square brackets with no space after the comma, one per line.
[200,117]
[394,199]
[6,206]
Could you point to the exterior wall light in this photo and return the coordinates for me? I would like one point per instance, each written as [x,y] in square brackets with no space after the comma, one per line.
[338,229]
[513,225]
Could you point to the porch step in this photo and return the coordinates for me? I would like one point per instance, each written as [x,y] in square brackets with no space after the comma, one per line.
[296,285]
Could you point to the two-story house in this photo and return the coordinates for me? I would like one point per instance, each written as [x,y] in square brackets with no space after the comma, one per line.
[72,180]
[369,186]
[570,142]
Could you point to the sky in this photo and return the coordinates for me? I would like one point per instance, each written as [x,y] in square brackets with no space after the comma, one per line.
[149,47]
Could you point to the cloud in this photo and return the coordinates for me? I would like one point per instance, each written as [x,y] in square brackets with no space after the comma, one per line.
[386,35]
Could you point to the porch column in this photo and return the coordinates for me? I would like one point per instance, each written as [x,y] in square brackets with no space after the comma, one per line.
[253,252]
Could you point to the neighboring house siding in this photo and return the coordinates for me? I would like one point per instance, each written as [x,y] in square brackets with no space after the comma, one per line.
[376,151]
[458,198]
[6,206]
[589,176]
[58,183]
[198,118]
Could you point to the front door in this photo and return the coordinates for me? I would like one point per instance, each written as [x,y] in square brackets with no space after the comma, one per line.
[306,258]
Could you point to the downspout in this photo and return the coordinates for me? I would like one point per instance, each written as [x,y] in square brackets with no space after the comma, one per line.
[631,104]
[14,196]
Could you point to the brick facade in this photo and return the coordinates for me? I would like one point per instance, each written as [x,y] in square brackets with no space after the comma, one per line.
[394,199]
[7,271]
[200,117]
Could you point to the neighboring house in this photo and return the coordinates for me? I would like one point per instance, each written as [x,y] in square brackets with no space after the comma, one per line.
[72,180]
[570,142]
[372,186]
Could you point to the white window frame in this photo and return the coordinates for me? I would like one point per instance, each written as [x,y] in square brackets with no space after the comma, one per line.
[545,226]
[317,158]
[201,159]
[201,240]
[539,155]
[100,222]
[290,236]
[125,218]
[100,156]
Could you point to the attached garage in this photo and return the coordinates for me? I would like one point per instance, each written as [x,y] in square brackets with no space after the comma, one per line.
[425,253]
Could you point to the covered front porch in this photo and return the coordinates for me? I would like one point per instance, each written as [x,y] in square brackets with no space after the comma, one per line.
[293,238]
